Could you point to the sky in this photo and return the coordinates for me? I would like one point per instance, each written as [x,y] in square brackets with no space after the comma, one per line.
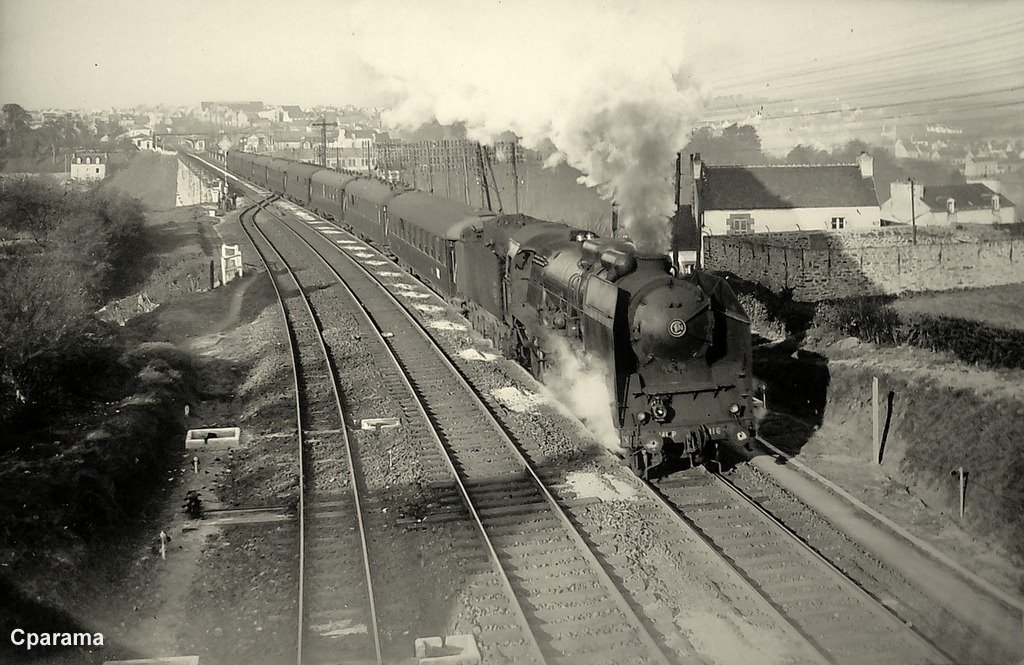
[111,53]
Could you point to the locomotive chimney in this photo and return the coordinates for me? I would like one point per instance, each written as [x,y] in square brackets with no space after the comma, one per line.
[656,262]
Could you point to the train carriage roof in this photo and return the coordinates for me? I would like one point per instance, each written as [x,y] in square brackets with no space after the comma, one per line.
[332,178]
[438,216]
[262,160]
[535,230]
[278,164]
[303,169]
[370,189]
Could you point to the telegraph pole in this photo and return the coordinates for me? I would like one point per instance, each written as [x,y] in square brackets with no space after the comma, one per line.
[485,190]
[323,125]
[515,173]
[465,169]
[913,216]
[494,179]
[697,167]
[675,218]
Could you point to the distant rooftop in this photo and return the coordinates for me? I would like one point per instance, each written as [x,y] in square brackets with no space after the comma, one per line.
[974,196]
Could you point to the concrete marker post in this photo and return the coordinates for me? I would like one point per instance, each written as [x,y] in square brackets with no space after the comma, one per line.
[962,474]
[876,437]
[163,545]
[195,463]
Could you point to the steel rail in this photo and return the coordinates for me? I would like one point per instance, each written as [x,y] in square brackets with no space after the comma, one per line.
[872,603]
[321,343]
[293,361]
[587,552]
[446,455]
[878,608]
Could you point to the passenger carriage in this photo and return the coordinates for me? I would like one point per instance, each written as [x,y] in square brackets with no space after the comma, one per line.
[423,231]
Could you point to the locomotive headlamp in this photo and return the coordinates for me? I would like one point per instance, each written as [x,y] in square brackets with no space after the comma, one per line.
[659,411]
[741,435]
[643,417]
[735,408]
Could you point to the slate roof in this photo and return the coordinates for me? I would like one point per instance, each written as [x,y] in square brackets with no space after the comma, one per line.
[785,187]
[974,196]
[294,112]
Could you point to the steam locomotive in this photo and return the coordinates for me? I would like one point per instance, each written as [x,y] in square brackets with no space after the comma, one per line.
[676,348]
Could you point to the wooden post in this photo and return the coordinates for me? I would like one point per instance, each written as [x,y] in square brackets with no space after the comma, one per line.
[163,545]
[876,434]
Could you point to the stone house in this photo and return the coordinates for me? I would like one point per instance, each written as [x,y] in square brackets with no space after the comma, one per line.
[760,199]
[88,165]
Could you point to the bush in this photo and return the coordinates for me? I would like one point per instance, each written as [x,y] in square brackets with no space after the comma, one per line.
[82,246]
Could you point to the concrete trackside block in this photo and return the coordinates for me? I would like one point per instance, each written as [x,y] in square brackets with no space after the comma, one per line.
[168,660]
[212,438]
[452,650]
[379,423]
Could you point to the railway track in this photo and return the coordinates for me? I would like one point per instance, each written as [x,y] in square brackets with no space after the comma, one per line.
[560,604]
[337,619]
[840,620]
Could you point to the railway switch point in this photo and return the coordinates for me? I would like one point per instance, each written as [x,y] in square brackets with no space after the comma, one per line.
[451,650]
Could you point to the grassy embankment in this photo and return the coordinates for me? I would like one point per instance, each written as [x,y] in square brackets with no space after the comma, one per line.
[997,306]
[938,412]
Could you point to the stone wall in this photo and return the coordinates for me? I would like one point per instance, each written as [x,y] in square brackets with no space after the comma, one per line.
[196,185]
[825,266]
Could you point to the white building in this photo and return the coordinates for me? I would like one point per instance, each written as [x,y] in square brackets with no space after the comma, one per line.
[770,199]
[89,166]
[973,203]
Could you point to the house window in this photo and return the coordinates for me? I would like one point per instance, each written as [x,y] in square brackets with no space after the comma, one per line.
[740,224]
[838,223]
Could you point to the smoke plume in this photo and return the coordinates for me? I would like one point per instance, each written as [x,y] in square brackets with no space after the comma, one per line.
[606,85]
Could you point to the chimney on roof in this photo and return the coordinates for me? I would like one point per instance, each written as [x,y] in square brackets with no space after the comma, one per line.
[995,203]
[867,165]
[951,205]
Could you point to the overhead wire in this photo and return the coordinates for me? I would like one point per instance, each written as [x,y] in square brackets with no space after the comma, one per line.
[801,50]
[924,51]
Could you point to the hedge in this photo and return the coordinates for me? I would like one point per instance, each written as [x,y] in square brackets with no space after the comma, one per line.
[871,320]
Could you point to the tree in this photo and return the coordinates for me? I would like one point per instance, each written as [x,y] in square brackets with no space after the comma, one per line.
[805,154]
[15,117]
[14,129]
[736,144]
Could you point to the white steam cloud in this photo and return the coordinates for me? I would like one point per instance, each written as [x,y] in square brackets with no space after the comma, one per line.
[607,86]
[581,385]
